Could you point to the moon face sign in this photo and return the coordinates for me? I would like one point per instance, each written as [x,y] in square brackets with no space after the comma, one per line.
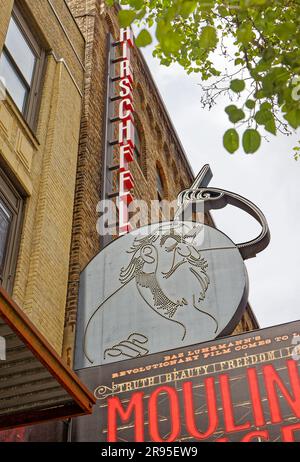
[157,288]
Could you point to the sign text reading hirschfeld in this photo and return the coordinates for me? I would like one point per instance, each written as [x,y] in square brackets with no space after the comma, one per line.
[241,388]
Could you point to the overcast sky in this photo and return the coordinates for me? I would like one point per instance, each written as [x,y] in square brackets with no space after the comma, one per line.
[269,178]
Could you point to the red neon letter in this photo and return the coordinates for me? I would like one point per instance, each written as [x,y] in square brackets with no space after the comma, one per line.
[126,109]
[115,407]
[125,88]
[126,182]
[126,156]
[154,413]
[125,70]
[189,409]
[126,133]
[126,35]
[272,379]
[257,408]
[288,433]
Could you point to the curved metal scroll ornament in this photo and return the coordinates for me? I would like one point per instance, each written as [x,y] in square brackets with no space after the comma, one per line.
[132,347]
[215,198]
[103,391]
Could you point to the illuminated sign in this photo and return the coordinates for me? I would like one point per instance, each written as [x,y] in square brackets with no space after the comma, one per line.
[126,129]
[240,388]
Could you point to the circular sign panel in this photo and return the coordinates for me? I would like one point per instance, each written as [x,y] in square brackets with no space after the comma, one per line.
[160,287]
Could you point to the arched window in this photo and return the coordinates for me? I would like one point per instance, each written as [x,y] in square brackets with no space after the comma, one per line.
[175,171]
[138,147]
[111,26]
[158,135]
[159,185]
[141,95]
[166,152]
[150,116]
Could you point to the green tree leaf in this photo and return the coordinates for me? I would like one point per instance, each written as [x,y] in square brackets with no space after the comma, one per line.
[161,30]
[137,4]
[285,30]
[126,17]
[251,141]
[235,114]
[293,118]
[238,61]
[208,38]
[143,39]
[263,116]
[187,7]
[171,42]
[230,109]
[231,140]
[245,34]
[223,11]
[274,80]
[269,54]
[270,126]
[237,85]
[265,106]
[250,104]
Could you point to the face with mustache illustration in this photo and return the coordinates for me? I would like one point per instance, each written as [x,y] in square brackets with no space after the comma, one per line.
[179,283]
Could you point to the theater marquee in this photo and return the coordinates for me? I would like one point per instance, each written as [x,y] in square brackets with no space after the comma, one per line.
[242,388]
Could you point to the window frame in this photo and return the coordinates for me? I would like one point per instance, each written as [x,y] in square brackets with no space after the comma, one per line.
[30,111]
[160,182]
[14,202]
[137,147]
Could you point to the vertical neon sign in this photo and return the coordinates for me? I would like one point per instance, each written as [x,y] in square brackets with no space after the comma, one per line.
[126,129]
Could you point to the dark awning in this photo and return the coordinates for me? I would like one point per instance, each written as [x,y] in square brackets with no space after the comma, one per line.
[35,385]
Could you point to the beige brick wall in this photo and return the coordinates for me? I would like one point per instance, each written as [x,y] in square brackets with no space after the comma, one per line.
[43,166]
[47,268]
